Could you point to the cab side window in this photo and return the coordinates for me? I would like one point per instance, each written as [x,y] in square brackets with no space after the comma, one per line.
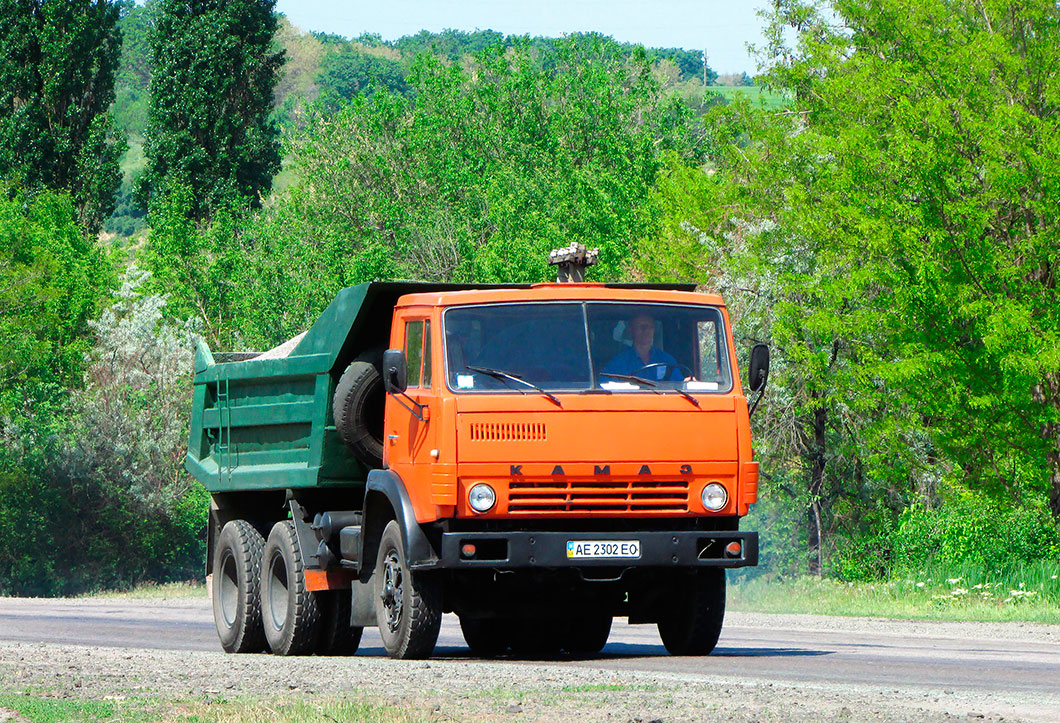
[427,354]
[414,351]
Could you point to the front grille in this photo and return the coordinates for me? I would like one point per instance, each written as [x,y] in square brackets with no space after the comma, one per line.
[507,432]
[597,496]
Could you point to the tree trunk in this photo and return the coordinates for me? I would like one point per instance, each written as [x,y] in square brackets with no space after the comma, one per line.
[1052,433]
[817,466]
[1048,394]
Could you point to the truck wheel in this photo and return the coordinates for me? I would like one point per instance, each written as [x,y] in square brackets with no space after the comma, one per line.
[289,611]
[588,636]
[408,605]
[487,638]
[692,621]
[358,406]
[237,588]
[337,636]
[537,637]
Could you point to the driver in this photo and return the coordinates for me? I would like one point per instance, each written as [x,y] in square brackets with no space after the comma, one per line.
[632,360]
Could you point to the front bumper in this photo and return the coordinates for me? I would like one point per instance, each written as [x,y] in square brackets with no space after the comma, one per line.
[682,549]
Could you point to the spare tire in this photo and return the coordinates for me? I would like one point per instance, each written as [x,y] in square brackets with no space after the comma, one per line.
[359,407]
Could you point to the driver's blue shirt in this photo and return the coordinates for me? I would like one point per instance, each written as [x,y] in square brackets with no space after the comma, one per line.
[628,362]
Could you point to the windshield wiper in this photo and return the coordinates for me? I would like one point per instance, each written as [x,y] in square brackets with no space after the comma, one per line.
[498,374]
[650,384]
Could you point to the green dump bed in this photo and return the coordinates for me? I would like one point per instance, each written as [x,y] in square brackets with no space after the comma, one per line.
[266,423]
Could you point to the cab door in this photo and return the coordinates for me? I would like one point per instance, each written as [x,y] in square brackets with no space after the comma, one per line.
[411,434]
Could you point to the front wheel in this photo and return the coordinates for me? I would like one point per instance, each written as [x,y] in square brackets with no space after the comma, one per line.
[408,605]
[692,620]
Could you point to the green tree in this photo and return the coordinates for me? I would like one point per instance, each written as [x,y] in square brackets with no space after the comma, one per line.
[209,128]
[133,80]
[474,178]
[940,125]
[57,64]
[51,279]
[899,224]
[346,74]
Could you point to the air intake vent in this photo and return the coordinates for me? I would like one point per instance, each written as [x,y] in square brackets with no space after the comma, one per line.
[508,432]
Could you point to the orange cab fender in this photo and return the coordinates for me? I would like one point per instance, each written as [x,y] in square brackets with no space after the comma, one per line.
[385,486]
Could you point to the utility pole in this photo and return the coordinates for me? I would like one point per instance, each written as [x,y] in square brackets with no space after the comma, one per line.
[704,67]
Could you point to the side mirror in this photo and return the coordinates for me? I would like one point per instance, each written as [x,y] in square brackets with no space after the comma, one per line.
[395,371]
[758,372]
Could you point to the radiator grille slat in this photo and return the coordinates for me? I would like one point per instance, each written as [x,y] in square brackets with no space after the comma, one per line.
[507,432]
[532,497]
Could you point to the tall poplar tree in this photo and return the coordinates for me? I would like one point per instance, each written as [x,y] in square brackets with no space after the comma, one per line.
[57,65]
[208,128]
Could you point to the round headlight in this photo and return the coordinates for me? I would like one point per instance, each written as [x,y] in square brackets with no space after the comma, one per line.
[714,497]
[481,498]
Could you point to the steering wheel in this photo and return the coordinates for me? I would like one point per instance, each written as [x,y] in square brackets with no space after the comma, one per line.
[685,371]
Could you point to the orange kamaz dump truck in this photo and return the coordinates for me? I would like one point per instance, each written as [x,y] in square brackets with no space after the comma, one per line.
[537,459]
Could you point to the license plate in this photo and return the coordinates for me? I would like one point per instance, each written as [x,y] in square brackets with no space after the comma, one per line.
[603,549]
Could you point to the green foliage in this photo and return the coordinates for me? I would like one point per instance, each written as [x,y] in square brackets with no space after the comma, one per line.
[936,128]
[449,44]
[480,173]
[892,236]
[971,531]
[97,473]
[346,74]
[51,281]
[133,80]
[209,128]
[57,65]
[200,266]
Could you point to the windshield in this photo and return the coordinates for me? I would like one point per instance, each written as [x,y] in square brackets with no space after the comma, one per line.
[578,346]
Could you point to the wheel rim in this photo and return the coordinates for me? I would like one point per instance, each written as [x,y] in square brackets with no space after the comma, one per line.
[277,593]
[393,590]
[229,592]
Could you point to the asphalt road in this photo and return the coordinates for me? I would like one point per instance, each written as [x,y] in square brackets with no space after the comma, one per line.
[800,648]
[1010,661]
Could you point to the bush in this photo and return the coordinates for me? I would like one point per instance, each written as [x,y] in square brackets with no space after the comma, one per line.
[92,493]
[977,532]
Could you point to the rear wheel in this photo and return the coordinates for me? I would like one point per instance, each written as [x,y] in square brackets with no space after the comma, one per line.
[337,636]
[237,588]
[692,621]
[408,605]
[487,638]
[587,636]
[537,637]
[289,611]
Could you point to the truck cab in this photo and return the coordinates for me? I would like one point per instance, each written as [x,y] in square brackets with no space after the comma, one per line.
[536,459]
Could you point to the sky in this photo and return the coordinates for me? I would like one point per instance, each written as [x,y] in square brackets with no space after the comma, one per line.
[722,28]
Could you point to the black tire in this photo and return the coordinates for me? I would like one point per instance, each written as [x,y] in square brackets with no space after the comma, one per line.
[237,588]
[536,637]
[587,636]
[337,636]
[487,638]
[694,614]
[358,406]
[289,612]
[408,606]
